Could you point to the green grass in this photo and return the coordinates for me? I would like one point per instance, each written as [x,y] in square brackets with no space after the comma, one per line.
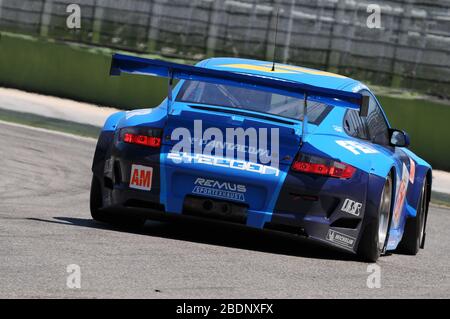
[427,123]
[50,123]
[440,199]
[73,71]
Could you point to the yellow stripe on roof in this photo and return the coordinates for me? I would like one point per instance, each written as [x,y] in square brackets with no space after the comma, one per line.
[309,71]
[281,68]
[253,67]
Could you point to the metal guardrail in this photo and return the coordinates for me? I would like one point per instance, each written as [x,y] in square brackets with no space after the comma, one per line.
[411,49]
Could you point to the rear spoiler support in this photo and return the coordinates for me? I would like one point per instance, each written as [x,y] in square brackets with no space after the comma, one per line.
[305,117]
[169,93]
[364,110]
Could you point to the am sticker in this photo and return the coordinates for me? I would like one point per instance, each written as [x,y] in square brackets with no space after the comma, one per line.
[141,177]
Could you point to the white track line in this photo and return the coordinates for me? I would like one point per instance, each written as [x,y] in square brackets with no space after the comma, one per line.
[44,130]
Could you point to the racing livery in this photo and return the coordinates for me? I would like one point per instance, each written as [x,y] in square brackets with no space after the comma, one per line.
[276,147]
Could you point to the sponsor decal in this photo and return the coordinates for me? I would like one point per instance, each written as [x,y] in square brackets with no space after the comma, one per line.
[179,158]
[130,114]
[141,177]
[226,190]
[351,207]
[213,142]
[401,194]
[221,145]
[356,147]
[340,239]
[338,129]
[412,170]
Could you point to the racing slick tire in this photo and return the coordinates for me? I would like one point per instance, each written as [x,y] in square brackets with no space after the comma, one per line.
[95,201]
[414,234]
[374,237]
[129,222]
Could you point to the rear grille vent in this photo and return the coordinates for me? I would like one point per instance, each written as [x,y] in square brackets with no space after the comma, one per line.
[349,223]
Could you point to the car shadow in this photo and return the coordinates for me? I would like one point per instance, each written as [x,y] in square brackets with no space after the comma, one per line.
[225,235]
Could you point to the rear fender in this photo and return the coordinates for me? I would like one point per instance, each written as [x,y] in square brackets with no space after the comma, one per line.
[155,118]
[421,170]
[104,143]
[374,192]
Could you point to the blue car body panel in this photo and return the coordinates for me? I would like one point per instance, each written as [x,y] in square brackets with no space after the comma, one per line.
[278,197]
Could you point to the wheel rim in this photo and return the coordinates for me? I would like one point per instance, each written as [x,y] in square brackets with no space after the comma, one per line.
[423,207]
[385,212]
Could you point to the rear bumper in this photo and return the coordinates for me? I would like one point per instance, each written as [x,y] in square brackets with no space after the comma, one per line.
[134,203]
[306,206]
[158,215]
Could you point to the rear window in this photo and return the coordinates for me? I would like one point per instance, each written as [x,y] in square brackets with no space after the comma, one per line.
[253,100]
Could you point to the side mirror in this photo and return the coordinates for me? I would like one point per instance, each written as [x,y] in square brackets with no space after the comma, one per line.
[399,138]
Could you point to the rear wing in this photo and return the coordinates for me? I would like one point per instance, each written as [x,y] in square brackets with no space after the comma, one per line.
[135,65]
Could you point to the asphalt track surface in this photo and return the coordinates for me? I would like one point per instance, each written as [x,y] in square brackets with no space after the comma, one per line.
[45,225]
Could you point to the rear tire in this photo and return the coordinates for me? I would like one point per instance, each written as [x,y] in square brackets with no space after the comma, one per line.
[374,237]
[96,203]
[414,234]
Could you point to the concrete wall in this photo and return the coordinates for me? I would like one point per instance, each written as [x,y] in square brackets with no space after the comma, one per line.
[411,49]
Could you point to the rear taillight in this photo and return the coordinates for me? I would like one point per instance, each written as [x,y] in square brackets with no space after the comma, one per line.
[142,140]
[141,136]
[321,166]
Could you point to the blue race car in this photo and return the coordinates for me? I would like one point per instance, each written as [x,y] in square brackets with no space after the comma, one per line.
[269,146]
